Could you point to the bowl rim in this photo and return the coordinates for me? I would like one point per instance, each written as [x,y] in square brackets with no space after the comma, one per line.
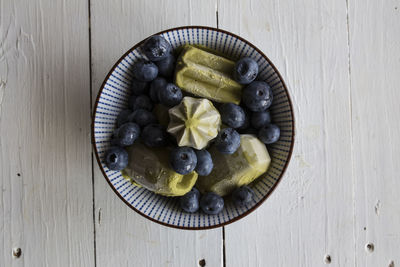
[272,189]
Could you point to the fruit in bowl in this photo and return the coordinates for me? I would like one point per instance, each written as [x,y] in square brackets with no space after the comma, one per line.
[234,160]
[198,129]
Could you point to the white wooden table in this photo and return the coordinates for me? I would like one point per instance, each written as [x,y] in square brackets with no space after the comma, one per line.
[338,203]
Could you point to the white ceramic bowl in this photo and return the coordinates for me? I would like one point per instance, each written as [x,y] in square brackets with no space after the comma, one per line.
[113,98]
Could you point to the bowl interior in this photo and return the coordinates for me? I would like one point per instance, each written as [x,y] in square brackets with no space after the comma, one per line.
[113,97]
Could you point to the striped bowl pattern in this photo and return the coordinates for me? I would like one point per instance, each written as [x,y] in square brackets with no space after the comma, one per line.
[113,97]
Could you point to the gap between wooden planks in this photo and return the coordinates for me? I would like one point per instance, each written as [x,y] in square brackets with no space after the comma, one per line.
[338,196]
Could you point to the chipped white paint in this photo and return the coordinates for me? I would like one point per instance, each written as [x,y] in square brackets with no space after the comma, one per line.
[338,203]
[45,152]
[2,89]
[319,207]
[310,215]
[374,31]
[124,238]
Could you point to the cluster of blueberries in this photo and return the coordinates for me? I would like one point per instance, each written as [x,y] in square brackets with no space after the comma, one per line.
[211,203]
[150,76]
[253,118]
[152,84]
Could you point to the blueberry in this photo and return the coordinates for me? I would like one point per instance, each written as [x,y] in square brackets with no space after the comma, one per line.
[157,85]
[142,117]
[211,203]
[260,119]
[242,195]
[190,201]
[204,162]
[139,87]
[156,48]
[166,66]
[145,71]
[227,141]
[131,101]
[154,135]
[171,95]
[245,70]
[126,134]
[257,96]
[232,115]
[140,102]
[246,124]
[116,158]
[269,134]
[196,192]
[183,160]
[123,117]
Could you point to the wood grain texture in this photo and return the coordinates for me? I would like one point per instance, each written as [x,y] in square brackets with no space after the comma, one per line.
[341,62]
[374,30]
[310,214]
[124,238]
[45,161]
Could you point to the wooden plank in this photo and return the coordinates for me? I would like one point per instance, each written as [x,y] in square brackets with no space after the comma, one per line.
[124,238]
[310,215]
[374,30]
[45,161]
